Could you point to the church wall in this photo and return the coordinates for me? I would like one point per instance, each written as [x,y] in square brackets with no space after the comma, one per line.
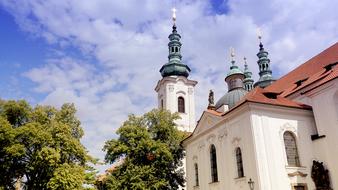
[226,136]
[269,125]
[325,107]
[258,129]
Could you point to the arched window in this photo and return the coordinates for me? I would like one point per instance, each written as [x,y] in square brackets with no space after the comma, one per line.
[291,149]
[180,102]
[239,161]
[213,164]
[172,49]
[176,49]
[196,174]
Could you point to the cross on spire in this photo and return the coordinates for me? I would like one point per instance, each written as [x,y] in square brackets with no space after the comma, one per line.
[174,15]
[259,34]
[232,55]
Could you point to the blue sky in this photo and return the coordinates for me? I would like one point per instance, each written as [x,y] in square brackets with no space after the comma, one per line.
[105,55]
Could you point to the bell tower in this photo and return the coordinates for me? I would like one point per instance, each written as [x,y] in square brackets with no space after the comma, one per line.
[176,92]
[265,72]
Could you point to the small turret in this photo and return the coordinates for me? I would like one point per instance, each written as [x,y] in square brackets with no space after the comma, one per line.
[248,81]
[236,90]
[265,73]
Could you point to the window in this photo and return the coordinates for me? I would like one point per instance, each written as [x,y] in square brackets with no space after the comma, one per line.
[176,49]
[196,174]
[239,161]
[181,107]
[299,186]
[172,49]
[162,104]
[291,149]
[213,164]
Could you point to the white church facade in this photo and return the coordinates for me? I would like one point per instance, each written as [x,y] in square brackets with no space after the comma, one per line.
[268,135]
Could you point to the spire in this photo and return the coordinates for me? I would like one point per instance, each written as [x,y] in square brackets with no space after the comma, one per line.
[174,67]
[248,81]
[235,77]
[265,73]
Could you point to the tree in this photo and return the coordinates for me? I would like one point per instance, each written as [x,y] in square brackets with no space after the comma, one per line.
[40,147]
[150,146]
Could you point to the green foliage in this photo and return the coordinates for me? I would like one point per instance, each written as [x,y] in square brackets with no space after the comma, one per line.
[41,147]
[150,147]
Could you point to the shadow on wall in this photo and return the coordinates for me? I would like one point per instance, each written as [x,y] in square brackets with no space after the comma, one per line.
[335,99]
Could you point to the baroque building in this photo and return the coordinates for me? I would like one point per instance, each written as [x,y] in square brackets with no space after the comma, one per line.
[265,135]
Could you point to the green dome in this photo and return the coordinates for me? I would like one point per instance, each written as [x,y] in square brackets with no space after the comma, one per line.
[234,70]
[231,98]
[174,69]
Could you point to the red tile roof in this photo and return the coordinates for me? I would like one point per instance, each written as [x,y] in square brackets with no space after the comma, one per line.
[259,95]
[307,73]
[214,112]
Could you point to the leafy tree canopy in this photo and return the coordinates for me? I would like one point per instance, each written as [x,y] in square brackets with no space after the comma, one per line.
[150,147]
[40,147]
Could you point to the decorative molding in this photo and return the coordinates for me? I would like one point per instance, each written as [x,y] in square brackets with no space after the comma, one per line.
[209,120]
[171,88]
[287,127]
[236,141]
[181,92]
[297,173]
[222,134]
[190,90]
[211,138]
[201,145]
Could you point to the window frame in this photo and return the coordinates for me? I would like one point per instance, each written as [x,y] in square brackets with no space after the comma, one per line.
[180,104]
[196,175]
[213,164]
[296,159]
[239,162]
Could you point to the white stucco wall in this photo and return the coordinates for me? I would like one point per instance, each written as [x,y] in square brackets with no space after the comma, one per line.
[269,125]
[258,130]
[169,89]
[324,100]
[226,136]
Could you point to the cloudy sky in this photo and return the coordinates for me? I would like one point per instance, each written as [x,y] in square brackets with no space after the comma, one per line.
[105,55]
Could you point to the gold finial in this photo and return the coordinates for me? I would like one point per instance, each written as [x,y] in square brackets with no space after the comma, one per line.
[259,34]
[232,53]
[174,15]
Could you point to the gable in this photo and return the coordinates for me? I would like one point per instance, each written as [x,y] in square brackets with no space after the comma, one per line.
[206,121]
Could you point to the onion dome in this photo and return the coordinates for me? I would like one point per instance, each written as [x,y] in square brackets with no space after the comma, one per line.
[174,67]
[234,80]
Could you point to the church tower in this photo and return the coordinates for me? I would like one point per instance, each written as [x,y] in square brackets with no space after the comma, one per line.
[176,92]
[265,72]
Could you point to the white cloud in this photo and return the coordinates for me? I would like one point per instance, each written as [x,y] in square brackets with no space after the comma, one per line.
[129,41]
